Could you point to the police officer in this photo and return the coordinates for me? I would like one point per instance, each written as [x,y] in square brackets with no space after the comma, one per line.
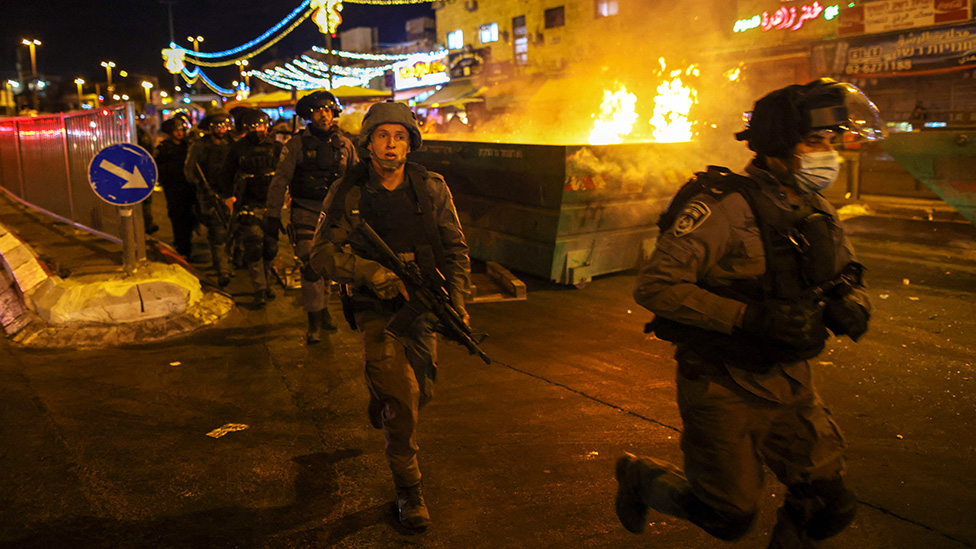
[412,210]
[180,194]
[310,162]
[248,170]
[207,155]
[748,274]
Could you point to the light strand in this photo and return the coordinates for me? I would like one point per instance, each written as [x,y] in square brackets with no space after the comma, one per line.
[196,74]
[362,56]
[387,2]
[213,55]
[255,52]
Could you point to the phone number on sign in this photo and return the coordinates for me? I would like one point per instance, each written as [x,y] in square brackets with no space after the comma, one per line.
[887,66]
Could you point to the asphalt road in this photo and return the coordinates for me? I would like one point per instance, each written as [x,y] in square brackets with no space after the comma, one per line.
[109,448]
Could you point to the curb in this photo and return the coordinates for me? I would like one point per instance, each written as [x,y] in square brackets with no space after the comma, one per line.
[105,308]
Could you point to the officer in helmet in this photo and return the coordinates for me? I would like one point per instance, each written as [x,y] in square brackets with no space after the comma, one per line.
[748,275]
[412,210]
[204,163]
[248,170]
[180,194]
[238,113]
[310,162]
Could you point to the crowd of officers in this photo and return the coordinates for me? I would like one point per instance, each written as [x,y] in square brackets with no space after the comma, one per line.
[749,275]
[232,176]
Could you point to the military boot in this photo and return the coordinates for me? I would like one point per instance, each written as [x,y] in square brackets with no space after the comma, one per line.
[413,510]
[259,300]
[326,320]
[312,335]
[645,483]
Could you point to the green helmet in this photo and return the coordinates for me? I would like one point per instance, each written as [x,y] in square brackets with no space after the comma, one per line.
[390,112]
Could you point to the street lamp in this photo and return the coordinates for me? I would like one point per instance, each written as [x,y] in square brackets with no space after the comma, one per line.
[108,73]
[196,49]
[147,86]
[196,42]
[32,44]
[80,82]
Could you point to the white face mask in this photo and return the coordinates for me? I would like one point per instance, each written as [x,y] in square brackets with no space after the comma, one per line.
[818,170]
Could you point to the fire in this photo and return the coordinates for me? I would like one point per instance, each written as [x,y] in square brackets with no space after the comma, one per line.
[616,118]
[669,123]
[671,107]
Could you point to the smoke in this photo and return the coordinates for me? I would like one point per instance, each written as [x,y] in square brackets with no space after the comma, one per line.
[639,55]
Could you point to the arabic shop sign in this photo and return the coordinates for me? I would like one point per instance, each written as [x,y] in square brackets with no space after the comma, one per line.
[908,52]
[791,18]
[420,70]
[894,15]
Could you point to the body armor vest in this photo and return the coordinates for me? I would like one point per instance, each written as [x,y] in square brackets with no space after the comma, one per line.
[801,263]
[214,156]
[257,166]
[318,167]
[396,217]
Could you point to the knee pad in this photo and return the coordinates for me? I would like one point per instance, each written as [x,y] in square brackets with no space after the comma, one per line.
[726,526]
[830,507]
[270,251]
[308,273]
[252,253]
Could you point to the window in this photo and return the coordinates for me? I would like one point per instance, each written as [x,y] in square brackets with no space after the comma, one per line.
[488,33]
[555,17]
[455,40]
[520,42]
[606,8]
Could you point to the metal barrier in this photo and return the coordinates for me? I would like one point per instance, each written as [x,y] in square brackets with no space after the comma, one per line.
[44,164]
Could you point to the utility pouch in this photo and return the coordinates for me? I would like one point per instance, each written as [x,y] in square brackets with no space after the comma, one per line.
[402,322]
[814,238]
[348,312]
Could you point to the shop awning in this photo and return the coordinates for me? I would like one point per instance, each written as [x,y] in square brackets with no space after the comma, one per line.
[284,97]
[452,95]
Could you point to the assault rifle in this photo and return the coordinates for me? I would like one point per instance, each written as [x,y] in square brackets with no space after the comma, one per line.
[426,296]
[217,206]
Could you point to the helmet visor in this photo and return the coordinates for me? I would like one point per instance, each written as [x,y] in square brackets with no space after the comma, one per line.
[857,117]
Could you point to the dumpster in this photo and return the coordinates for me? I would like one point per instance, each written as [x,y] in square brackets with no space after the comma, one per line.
[944,161]
[566,213]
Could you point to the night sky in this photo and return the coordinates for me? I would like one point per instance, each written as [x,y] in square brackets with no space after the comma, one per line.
[78,35]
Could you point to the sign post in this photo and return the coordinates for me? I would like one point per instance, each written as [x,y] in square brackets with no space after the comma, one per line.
[123,175]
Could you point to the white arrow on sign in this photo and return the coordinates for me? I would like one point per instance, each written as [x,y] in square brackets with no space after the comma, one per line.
[133,180]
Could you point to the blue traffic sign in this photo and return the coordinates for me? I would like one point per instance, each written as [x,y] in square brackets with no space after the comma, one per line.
[122,174]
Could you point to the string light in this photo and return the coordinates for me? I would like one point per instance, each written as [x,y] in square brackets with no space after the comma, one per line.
[192,76]
[387,2]
[363,56]
[303,8]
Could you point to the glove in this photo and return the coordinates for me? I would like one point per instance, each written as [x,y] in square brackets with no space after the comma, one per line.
[846,317]
[385,284]
[273,226]
[796,324]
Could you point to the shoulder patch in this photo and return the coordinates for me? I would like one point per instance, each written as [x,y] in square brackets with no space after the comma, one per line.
[690,218]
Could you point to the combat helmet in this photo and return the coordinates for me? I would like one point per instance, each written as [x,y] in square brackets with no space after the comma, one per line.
[316,100]
[390,112]
[782,118]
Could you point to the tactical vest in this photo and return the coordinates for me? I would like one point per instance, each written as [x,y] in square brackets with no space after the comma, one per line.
[214,156]
[404,219]
[318,167]
[257,167]
[800,257]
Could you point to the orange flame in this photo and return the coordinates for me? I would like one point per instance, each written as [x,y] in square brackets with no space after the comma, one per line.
[616,118]
[671,107]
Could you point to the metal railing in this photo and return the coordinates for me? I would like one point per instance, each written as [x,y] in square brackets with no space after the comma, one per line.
[44,164]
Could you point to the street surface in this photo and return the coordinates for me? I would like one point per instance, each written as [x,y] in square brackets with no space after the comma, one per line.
[109,448]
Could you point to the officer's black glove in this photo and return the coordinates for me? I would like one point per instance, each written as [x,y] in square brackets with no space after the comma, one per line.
[846,317]
[796,324]
[273,226]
